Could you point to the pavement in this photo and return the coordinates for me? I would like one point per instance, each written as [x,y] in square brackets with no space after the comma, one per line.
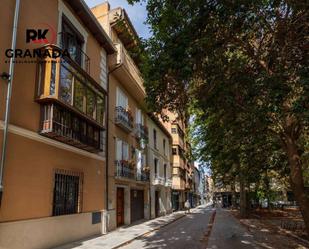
[196,230]
[228,233]
[186,233]
[124,235]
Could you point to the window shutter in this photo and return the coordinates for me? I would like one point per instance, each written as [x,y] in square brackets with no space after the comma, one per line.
[118,149]
[125,147]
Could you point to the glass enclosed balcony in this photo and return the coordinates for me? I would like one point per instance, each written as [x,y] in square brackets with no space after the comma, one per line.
[73,103]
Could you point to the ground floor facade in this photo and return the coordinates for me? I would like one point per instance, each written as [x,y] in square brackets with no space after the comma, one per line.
[131,203]
[161,203]
[178,199]
[53,193]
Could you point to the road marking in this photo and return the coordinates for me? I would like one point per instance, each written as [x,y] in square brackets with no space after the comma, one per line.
[209,228]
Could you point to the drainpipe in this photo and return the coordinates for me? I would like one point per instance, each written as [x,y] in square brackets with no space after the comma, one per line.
[10,77]
[107,140]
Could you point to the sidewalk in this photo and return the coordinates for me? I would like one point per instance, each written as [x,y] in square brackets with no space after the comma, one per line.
[124,235]
[229,233]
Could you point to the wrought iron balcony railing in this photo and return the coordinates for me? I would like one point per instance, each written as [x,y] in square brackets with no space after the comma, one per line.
[141,131]
[67,41]
[65,126]
[124,119]
[168,182]
[124,170]
[142,176]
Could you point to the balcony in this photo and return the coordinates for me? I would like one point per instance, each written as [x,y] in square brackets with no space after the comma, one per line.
[125,170]
[142,176]
[128,73]
[67,41]
[158,180]
[168,182]
[72,103]
[67,127]
[141,131]
[124,119]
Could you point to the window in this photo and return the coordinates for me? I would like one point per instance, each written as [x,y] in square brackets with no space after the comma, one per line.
[68,127]
[165,173]
[76,90]
[121,99]
[72,40]
[155,138]
[139,117]
[174,130]
[122,150]
[66,79]
[155,166]
[164,146]
[90,102]
[100,110]
[67,192]
[174,151]
[79,96]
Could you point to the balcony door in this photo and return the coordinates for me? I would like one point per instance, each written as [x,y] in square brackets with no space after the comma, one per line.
[72,40]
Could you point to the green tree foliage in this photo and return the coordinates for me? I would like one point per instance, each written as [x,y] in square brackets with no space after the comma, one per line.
[241,68]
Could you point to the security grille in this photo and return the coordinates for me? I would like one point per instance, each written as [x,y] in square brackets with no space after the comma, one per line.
[67,192]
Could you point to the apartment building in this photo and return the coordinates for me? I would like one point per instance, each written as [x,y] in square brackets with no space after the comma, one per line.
[189,174]
[54,175]
[176,128]
[128,175]
[159,162]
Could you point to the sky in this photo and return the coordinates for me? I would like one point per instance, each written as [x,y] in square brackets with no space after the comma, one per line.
[137,14]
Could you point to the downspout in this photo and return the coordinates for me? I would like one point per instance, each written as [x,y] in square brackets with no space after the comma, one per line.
[107,137]
[8,98]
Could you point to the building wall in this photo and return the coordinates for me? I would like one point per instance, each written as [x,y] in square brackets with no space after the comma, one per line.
[163,158]
[31,158]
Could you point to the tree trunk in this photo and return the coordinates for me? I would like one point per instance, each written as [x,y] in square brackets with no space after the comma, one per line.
[233,195]
[243,199]
[296,178]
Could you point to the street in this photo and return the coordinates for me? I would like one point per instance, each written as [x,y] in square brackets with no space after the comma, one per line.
[187,232]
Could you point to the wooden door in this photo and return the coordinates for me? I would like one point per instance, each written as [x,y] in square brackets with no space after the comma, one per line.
[120,206]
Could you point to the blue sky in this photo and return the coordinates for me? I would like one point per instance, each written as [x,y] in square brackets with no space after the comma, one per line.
[137,14]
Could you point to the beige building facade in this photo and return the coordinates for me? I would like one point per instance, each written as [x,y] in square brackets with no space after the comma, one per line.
[128,176]
[159,161]
[54,174]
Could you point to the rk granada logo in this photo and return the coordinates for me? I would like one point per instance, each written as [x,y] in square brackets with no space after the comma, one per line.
[44,34]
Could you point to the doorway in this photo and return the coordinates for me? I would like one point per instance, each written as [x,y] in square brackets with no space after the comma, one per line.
[120,206]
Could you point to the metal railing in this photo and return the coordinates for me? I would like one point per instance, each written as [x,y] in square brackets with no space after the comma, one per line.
[76,52]
[124,170]
[65,126]
[124,118]
[141,131]
[142,176]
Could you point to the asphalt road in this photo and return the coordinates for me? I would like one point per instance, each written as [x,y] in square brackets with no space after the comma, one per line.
[185,233]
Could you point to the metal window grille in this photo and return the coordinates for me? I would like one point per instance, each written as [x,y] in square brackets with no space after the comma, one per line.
[67,192]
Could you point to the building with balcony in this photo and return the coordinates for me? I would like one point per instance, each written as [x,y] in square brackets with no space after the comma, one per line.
[54,188]
[181,170]
[128,173]
[159,162]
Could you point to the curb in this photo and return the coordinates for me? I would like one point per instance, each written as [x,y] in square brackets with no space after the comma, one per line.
[148,232]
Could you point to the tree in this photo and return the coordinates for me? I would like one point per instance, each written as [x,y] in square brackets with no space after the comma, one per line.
[215,54]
